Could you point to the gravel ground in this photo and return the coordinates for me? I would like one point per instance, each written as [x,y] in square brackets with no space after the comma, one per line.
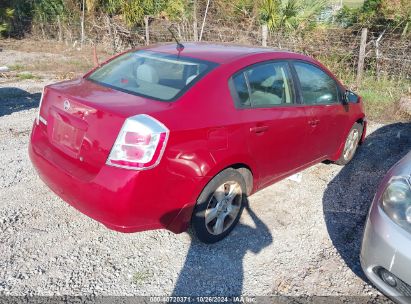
[300,239]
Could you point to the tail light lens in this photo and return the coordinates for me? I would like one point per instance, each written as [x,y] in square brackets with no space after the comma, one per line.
[38,117]
[140,143]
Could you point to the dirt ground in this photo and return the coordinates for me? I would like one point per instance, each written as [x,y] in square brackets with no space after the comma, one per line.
[300,239]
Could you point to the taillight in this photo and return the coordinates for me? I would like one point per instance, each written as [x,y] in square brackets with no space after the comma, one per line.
[140,143]
[38,117]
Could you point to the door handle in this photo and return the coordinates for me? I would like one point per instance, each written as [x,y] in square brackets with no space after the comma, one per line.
[259,129]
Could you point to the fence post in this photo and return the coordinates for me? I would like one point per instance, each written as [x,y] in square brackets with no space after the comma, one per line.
[195,29]
[146,19]
[264,34]
[95,57]
[60,34]
[204,20]
[82,23]
[378,54]
[179,31]
[110,34]
[361,56]
[43,33]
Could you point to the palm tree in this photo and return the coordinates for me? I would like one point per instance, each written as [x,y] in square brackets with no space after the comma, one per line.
[291,15]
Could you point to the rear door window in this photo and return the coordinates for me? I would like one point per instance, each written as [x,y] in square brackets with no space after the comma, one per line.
[240,90]
[263,85]
[155,75]
[317,87]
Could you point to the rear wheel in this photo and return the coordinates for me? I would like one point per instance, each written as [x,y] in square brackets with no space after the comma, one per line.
[351,144]
[219,206]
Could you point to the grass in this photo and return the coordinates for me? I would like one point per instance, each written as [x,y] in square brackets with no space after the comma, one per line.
[62,66]
[16,67]
[69,63]
[381,97]
[26,76]
[142,276]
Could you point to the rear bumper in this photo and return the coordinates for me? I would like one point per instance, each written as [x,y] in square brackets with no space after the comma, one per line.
[123,200]
[386,245]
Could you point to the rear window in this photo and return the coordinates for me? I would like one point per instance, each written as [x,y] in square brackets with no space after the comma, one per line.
[155,75]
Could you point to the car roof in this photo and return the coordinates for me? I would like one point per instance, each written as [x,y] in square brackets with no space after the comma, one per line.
[219,53]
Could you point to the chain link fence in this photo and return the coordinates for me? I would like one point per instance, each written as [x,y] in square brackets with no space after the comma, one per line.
[387,53]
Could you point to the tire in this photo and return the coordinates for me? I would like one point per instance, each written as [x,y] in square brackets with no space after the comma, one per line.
[351,145]
[219,206]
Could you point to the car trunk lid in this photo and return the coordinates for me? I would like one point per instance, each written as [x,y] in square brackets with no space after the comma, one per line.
[82,119]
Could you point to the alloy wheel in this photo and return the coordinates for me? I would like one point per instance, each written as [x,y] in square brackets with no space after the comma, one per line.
[223,207]
[351,144]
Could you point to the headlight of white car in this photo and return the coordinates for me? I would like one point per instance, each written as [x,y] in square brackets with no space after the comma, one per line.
[396,201]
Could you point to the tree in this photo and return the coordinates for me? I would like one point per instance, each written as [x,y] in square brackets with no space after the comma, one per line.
[399,12]
[378,14]
[6,16]
[291,15]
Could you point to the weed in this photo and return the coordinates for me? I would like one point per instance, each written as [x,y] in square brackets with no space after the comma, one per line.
[140,277]
[16,67]
[27,75]
[381,97]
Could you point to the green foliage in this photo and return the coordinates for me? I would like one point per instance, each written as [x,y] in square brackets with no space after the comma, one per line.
[26,76]
[381,96]
[111,6]
[374,13]
[244,5]
[16,67]
[48,10]
[280,15]
[6,16]
[238,12]
[177,10]
[351,3]
[291,15]
[243,8]
[140,277]
[133,11]
[347,16]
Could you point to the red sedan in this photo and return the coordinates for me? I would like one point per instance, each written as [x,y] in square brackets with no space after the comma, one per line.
[164,137]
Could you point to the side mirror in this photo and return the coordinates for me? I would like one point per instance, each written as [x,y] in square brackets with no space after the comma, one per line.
[350,97]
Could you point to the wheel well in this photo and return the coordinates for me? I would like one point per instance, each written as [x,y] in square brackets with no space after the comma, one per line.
[245,171]
[360,121]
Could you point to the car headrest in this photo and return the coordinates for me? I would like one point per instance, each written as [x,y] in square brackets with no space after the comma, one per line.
[147,73]
[264,75]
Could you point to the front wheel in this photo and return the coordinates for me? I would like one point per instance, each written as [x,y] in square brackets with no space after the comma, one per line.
[351,144]
[219,206]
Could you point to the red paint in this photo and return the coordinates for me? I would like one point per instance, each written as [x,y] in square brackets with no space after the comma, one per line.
[207,134]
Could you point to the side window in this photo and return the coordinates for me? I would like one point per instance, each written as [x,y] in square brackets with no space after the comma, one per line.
[270,84]
[240,88]
[316,86]
[264,85]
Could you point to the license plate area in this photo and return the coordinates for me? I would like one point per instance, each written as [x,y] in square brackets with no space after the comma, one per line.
[66,137]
